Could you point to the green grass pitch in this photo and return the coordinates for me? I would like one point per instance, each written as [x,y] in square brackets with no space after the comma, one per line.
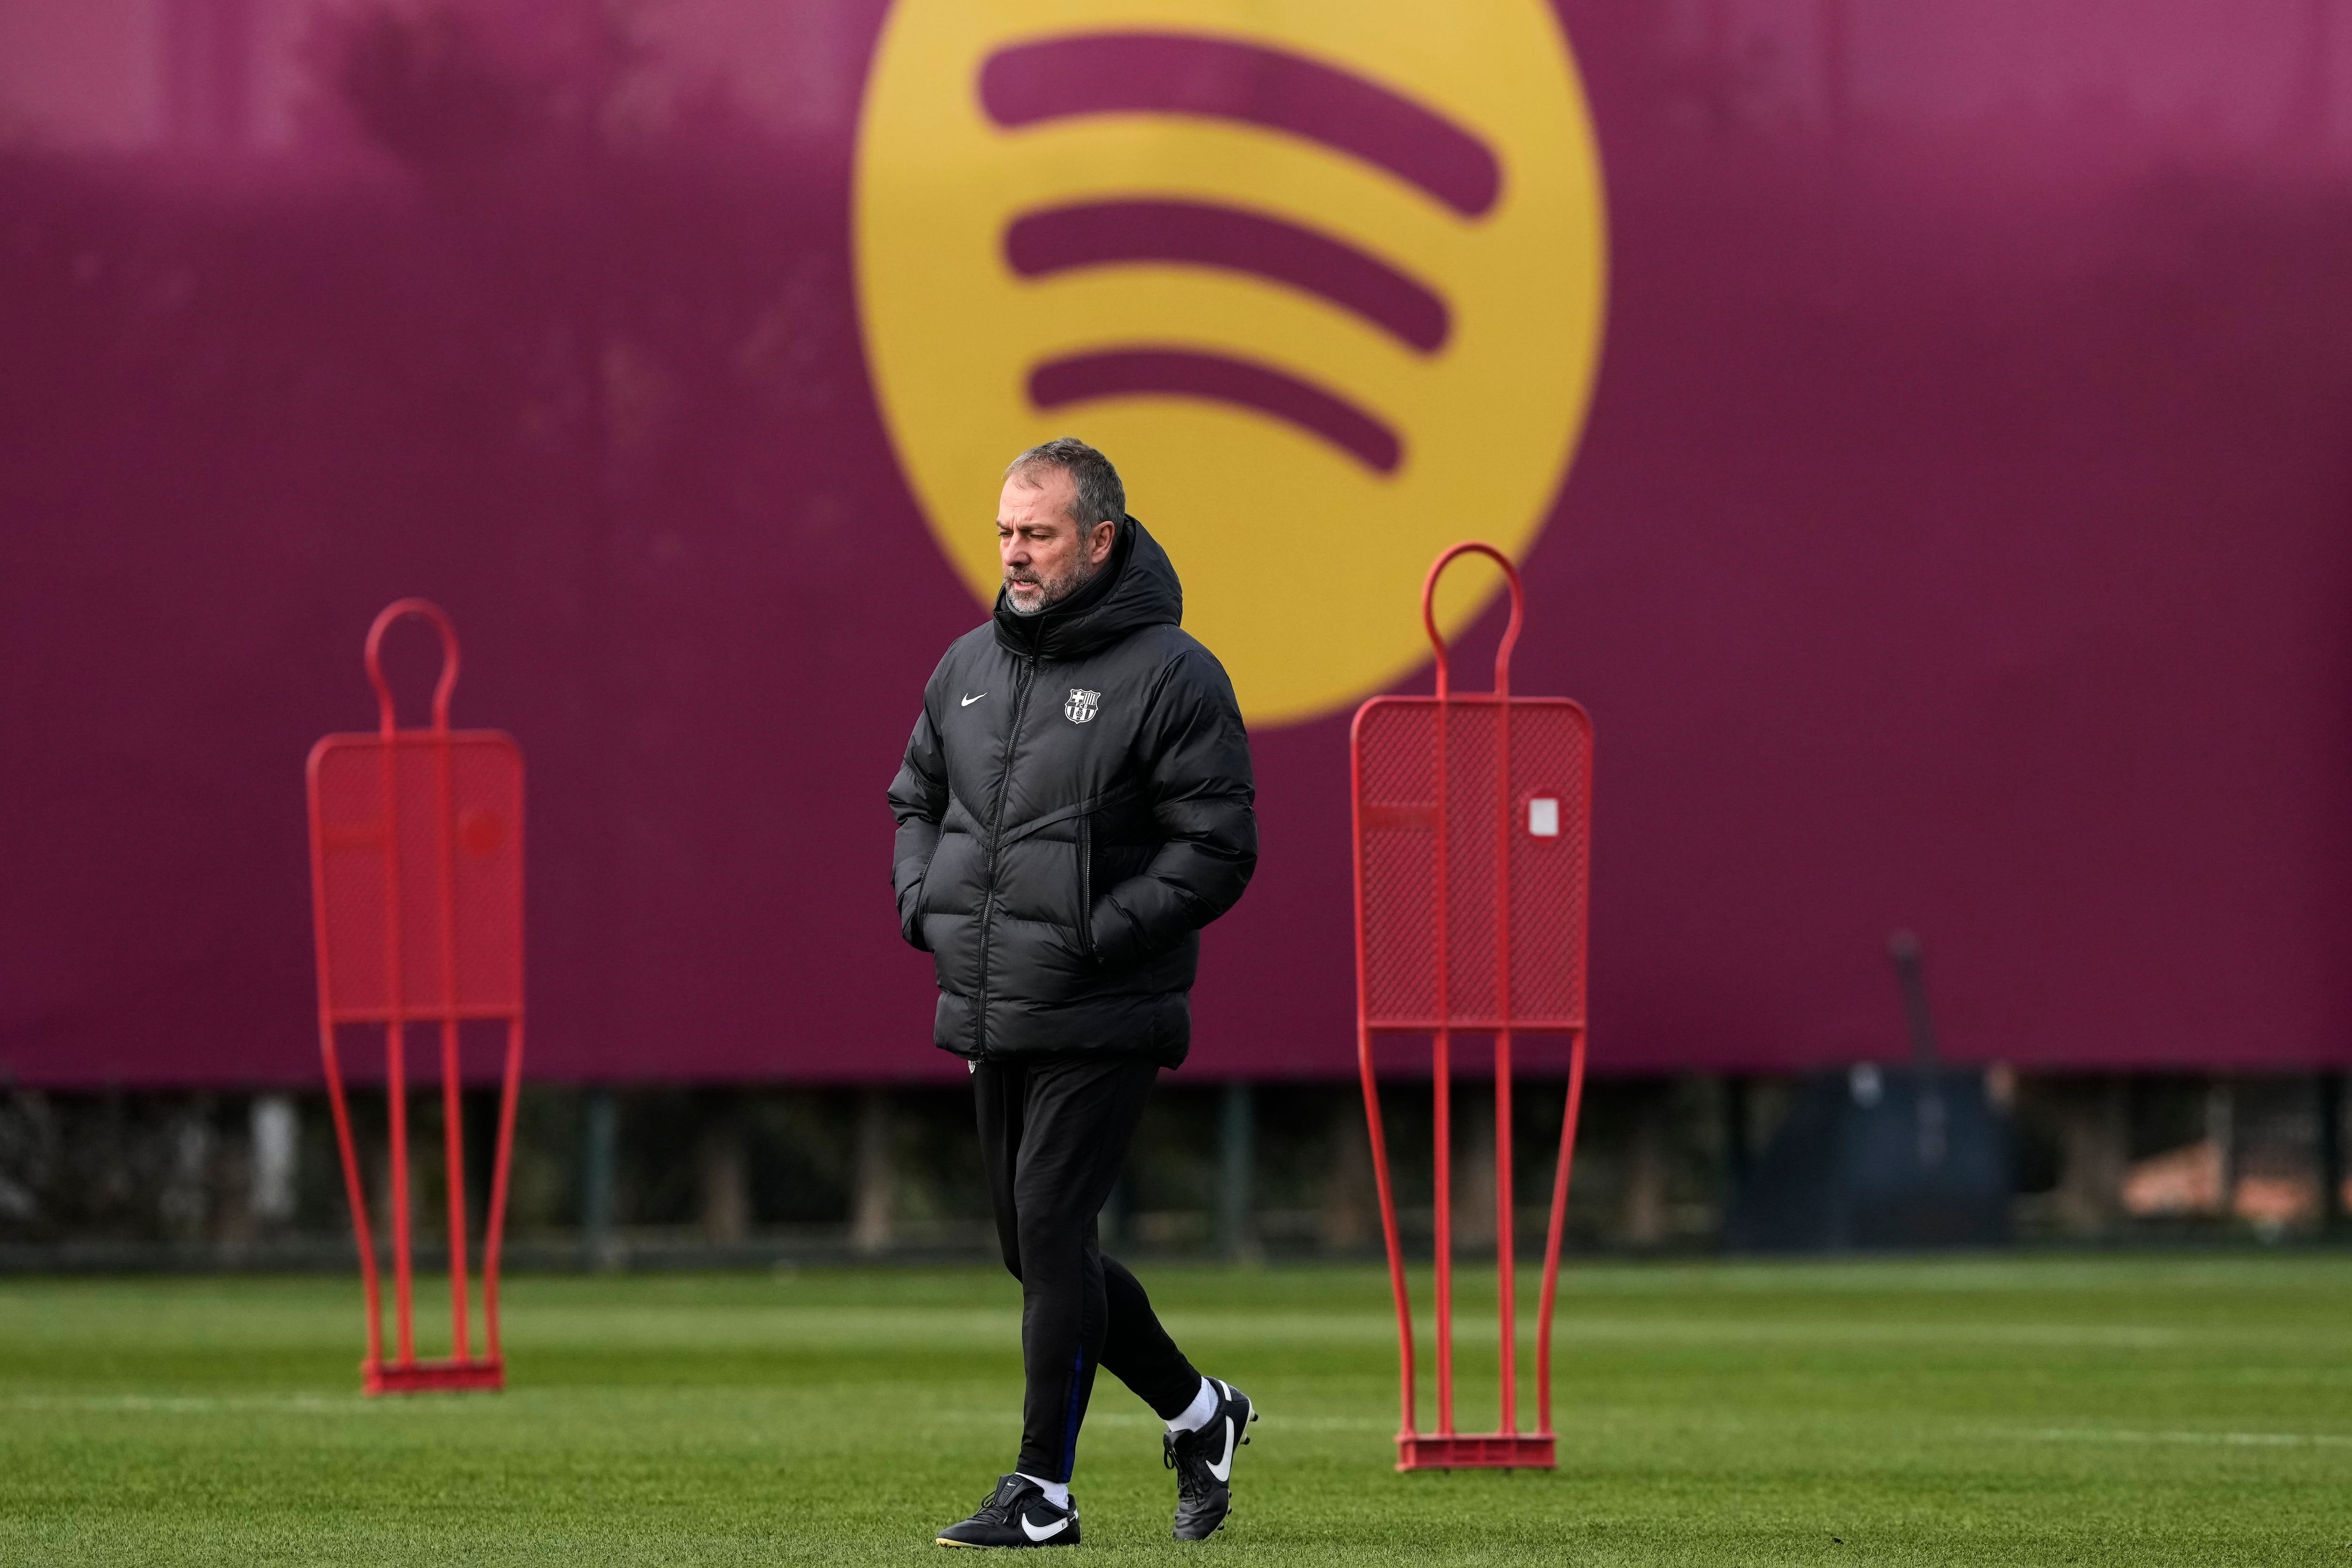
[2106,1410]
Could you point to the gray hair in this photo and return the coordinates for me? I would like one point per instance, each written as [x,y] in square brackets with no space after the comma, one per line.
[1098,497]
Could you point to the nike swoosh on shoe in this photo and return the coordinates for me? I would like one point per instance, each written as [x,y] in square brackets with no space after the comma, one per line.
[1223,1469]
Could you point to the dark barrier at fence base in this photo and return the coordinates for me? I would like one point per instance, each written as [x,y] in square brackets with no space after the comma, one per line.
[1880,1158]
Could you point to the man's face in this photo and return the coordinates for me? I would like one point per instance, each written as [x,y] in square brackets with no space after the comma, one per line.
[1046,556]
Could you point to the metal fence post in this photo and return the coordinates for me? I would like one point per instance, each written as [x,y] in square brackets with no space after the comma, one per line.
[2330,1088]
[1236,1165]
[600,1152]
[870,1227]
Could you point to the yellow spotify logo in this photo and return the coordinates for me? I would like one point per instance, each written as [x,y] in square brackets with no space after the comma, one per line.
[1323,276]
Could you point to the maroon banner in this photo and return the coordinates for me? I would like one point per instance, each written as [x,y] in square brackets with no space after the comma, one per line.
[1920,428]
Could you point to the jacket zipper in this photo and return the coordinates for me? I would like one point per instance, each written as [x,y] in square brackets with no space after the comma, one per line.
[1086,884]
[995,819]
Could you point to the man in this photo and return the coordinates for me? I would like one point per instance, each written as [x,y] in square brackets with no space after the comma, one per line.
[1074,807]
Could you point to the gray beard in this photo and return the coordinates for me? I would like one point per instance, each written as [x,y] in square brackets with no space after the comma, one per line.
[1055,592]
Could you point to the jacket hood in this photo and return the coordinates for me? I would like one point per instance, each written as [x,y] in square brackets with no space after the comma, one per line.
[1136,588]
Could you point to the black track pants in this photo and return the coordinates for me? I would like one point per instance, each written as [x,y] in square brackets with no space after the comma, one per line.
[1053,1133]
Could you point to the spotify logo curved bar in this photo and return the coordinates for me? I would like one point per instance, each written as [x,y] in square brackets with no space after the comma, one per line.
[1323,276]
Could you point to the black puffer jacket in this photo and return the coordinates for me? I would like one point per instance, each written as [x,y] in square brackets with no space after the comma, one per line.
[1075,806]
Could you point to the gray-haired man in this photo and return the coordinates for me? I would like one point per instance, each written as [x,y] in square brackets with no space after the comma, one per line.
[1075,805]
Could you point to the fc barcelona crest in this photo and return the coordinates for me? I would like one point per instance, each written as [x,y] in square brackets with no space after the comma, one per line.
[1082,706]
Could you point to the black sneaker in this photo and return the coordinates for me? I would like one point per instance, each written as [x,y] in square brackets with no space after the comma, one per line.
[1016,1514]
[1203,1463]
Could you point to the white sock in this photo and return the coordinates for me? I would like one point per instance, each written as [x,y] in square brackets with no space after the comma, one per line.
[1056,1492]
[1197,1414]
